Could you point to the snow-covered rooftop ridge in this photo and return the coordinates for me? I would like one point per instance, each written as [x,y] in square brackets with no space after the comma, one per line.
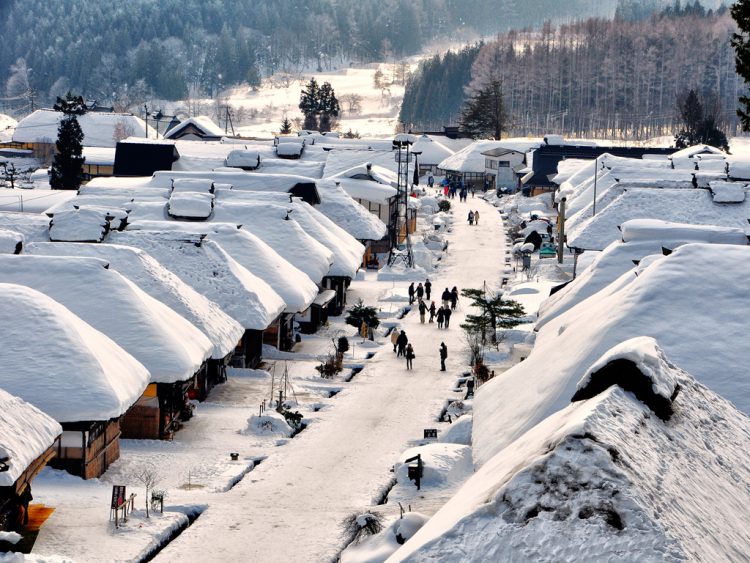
[336,204]
[469,159]
[25,434]
[208,269]
[201,185]
[665,231]
[99,128]
[191,205]
[368,190]
[290,148]
[360,166]
[690,152]
[605,479]
[728,192]
[242,158]
[687,206]
[161,284]
[79,225]
[170,347]
[432,152]
[201,122]
[33,227]
[11,242]
[654,303]
[60,363]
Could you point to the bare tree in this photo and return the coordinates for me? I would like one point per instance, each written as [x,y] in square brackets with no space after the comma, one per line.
[352,103]
[122,130]
[149,478]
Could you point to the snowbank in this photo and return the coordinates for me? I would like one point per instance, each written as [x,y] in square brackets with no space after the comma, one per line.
[269,423]
[660,230]
[381,546]
[60,364]
[11,242]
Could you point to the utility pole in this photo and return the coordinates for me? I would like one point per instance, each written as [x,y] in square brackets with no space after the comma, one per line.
[145,114]
[596,176]
[561,231]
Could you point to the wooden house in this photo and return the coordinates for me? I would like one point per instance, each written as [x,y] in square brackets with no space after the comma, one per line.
[84,380]
[199,128]
[27,438]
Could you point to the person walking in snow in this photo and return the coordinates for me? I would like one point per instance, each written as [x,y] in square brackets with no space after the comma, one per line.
[411,293]
[401,343]
[422,311]
[409,356]
[476,217]
[471,218]
[427,289]
[447,317]
[454,297]
[394,338]
[446,297]
[440,317]
[432,313]
[430,180]
[420,291]
[443,355]
[472,192]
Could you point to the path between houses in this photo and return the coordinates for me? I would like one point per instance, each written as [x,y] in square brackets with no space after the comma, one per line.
[292,506]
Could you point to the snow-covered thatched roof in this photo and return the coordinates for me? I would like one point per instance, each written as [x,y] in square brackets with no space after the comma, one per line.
[190,205]
[606,478]
[201,122]
[59,363]
[432,152]
[368,190]
[469,159]
[11,242]
[79,225]
[170,347]
[342,210]
[161,284]
[655,303]
[25,432]
[33,227]
[211,271]
[99,128]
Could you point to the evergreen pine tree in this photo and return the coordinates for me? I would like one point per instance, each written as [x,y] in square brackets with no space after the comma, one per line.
[308,103]
[286,126]
[741,43]
[494,312]
[699,125]
[328,107]
[67,166]
[483,114]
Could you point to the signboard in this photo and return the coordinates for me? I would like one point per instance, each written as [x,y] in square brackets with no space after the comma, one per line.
[430,432]
[118,496]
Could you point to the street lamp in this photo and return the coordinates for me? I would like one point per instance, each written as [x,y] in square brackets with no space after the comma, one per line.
[416,167]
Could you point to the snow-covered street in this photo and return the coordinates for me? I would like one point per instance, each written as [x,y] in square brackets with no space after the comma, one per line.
[291,507]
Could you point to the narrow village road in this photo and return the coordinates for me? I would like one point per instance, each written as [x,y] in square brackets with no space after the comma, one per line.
[291,507]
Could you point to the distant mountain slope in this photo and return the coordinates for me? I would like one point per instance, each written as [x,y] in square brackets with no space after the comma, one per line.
[173,46]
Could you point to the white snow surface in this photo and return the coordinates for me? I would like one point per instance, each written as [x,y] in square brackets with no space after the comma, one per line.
[25,431]
[563,489]
[9,241]
[432,152]
[79,373]
[161,284]
[33,226]
[213,273]
[728,192]
[470,159]
[98,127]
[79,225]
[656,303]
[337,204]
[190,205]
[170,347]
[202,185]
[660,230]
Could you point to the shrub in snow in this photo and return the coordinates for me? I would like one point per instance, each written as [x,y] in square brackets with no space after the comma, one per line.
[359,526]
[361,313]
[444,205]
[270,423]
[381,546]
[457,409]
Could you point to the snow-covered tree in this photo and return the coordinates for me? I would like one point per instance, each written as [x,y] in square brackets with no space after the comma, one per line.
[484,114]
[328,107]
[309,104]
[67,166]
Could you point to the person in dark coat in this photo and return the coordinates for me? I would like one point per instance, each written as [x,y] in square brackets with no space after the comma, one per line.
[443,355]
[401,343]
[432,312]
[446,298]
[454,297]
[447,317]
[440,317]
[411,293]
[471,218]
[427,289]
[422,311]
[409,356]
[420,291]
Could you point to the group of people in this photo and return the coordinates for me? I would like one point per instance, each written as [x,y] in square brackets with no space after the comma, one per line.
[420,292]
[473,217]
[403,347]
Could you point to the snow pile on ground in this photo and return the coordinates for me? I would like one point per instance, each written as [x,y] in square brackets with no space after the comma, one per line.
[400,272]
[78,373]
[270,423]
[161,284]
[656,303]
[25,431]
[459,432]
[607,479]
[443,463]
[170,347]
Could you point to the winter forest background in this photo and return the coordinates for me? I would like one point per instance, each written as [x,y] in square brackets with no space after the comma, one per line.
[600,78]
[606,68]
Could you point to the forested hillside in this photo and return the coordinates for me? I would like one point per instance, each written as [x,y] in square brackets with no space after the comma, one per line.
[114,50]
[596,77]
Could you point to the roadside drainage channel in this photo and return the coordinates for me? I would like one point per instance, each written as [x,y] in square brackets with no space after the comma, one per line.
[233,483]
[192,516]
